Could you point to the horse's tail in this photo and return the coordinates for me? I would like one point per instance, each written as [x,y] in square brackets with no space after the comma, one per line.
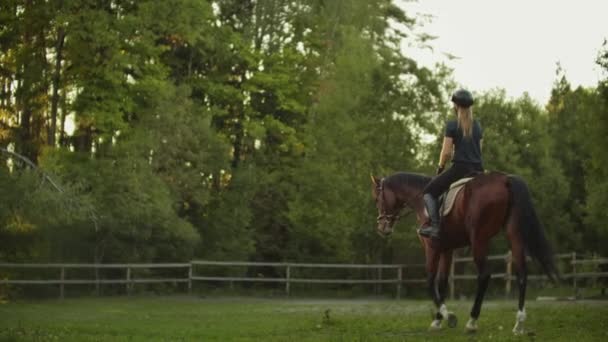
[530,229]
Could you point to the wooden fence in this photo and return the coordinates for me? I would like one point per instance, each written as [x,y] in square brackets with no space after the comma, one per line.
[400,271]
[128,280]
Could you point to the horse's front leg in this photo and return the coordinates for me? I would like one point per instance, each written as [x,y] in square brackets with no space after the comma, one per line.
[438,268]
[445,265]
[432,288]
[432,261]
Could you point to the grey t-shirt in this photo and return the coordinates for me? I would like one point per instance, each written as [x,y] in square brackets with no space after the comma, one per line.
[466,150]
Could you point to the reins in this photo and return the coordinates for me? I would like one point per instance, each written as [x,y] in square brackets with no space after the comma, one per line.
[406,204]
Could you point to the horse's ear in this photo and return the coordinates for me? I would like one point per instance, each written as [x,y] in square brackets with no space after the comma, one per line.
[375,185]
[375,180]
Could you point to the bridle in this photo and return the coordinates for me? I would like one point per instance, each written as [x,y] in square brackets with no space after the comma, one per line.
[393,217]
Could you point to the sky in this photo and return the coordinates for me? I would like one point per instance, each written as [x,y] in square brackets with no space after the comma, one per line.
[514,44]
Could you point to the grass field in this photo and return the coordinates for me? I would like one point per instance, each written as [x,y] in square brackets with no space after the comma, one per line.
[247,319]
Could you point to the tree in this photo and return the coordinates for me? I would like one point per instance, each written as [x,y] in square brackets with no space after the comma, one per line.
[594,140]
[365,119]
[517,140]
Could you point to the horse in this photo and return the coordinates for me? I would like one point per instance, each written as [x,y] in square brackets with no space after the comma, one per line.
[488,203]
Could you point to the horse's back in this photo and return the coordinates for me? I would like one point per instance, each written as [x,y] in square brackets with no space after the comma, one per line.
[488,202]
[480,210]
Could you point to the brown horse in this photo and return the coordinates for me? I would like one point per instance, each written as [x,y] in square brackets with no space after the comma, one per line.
[487,203]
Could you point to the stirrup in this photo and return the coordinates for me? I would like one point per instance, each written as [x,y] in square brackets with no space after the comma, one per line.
[429,231]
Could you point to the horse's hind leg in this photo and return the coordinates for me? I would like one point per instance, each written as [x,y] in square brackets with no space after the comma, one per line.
[522,279]
[483,278]
[519,260]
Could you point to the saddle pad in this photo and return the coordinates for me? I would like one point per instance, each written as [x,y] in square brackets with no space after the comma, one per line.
[450,196]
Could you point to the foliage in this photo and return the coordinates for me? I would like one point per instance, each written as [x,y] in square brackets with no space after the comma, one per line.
[248,129]
[517,141]
[595,139]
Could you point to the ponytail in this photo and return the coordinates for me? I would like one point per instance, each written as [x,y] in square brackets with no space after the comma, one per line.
[465,120]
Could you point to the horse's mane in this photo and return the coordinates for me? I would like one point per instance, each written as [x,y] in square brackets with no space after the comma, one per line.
[406,178]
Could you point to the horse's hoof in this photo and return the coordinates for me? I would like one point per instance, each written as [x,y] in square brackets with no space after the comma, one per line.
[518,331]
[471,327]
[452,320]
[435,325]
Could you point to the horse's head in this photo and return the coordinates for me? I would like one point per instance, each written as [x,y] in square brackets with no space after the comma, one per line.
[388,206]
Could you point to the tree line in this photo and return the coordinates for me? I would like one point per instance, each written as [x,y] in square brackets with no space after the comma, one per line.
[247,130]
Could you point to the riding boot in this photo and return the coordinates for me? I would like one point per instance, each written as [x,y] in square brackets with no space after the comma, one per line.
[432,209]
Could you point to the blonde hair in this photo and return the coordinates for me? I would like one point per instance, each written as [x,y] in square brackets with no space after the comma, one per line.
[465,120]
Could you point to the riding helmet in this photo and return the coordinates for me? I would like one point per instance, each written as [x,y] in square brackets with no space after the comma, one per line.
[463,98]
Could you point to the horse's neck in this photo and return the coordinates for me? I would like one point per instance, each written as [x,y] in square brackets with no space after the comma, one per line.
[412,197]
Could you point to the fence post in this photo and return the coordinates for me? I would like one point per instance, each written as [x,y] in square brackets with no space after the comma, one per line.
[190,279]
[399,281]
[595,269]
[97,279]
[287,276]
[452,266]
[379,285]
[574,280]
[62,285]
[508,273]
[128,281]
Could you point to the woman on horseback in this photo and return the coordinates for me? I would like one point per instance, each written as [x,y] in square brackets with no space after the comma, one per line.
[462,143]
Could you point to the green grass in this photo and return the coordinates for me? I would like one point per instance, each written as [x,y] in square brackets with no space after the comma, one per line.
[247,319]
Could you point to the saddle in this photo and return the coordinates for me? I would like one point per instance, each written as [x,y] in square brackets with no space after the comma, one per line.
[448,198]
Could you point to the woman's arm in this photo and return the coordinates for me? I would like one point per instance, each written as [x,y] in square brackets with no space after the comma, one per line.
[447,150]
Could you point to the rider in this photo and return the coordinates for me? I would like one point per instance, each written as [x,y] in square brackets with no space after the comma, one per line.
[462,142]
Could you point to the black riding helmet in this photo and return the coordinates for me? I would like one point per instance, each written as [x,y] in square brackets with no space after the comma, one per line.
[463,98]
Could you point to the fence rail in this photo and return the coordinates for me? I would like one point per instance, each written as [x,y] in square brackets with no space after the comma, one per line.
[128,281]
[378,280]
[55,265]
